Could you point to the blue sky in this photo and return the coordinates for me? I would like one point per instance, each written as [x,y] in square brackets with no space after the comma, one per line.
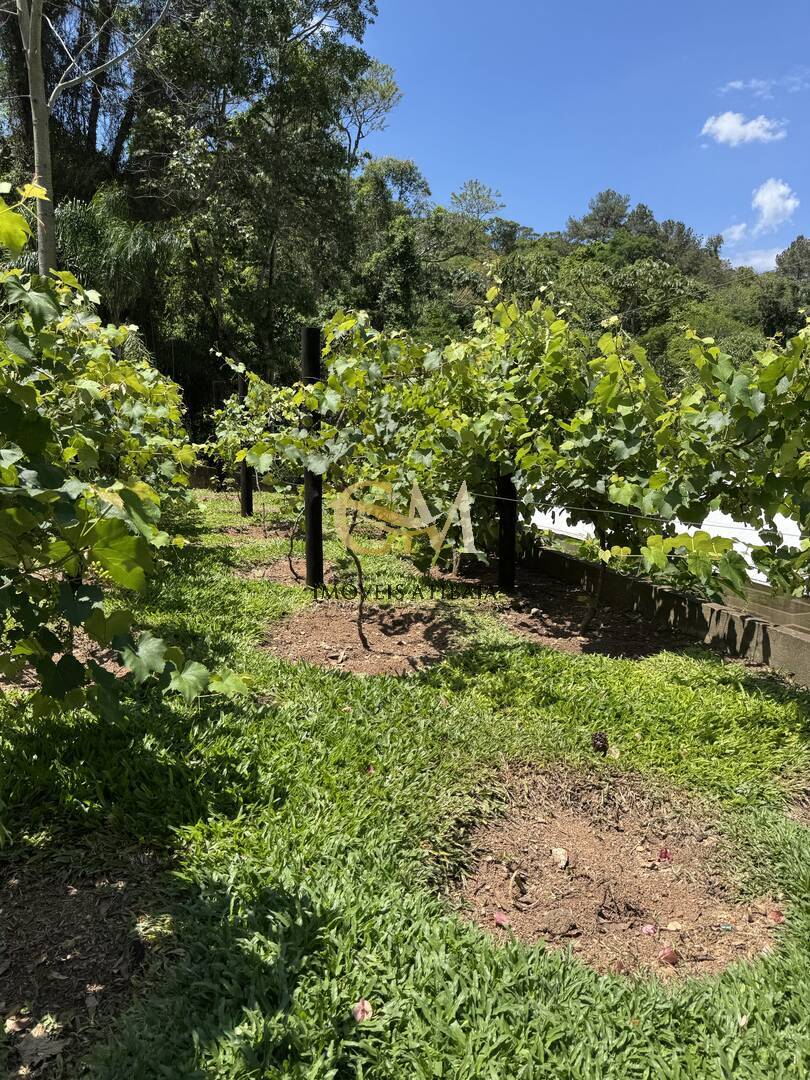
[699,109]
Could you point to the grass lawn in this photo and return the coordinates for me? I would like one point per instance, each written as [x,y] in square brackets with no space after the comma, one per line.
[313,825]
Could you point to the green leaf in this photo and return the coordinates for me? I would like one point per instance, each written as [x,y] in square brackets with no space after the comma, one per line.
[228,683]
[59,679]
[191,681]
[125,557]
[317,463]
[24,427]
[40,304]
[148,658]
[77,604]
[331,400]
[14,229]
[104,629]
[33,191]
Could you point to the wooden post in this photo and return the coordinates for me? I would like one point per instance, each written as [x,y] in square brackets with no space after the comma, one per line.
[313,485]
[246,474]
[507,533]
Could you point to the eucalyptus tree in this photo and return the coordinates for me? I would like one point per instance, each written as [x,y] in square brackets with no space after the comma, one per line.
[88,55]
[366,107]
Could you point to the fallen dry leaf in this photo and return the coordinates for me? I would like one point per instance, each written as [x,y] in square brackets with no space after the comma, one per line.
[559,856]
[35,1048]
[362,1010]
[15,1024]
[669,956]
[776,916]
[620,967]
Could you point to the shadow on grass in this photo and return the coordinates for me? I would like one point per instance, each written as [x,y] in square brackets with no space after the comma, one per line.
[208,969]
[461,670]
[154,768]
[240,952]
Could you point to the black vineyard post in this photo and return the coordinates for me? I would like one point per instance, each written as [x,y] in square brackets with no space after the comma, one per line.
[507,533]
[313,485]
[246,473]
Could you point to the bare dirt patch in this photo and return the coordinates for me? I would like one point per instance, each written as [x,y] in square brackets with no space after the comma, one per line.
[628,881]
[400,640]
[552,613]
[274,530]
[800,809]
[76,930]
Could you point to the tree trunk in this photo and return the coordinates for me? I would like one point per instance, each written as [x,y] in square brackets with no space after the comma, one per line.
[29,13]
[98,84]
[124,129]
[15,85]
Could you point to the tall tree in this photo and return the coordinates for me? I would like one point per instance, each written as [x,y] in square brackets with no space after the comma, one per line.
[476,200]
[31,19]
[367,105]
[794,261]
[245,155]
[607,212]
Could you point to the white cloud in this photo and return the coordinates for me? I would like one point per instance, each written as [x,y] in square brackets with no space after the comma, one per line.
[735,233]
[775,204]
[793,83]
[761,88]
[760,259]
[797,82]
[733,129]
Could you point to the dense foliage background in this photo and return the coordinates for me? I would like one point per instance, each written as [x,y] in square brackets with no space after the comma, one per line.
[215,189]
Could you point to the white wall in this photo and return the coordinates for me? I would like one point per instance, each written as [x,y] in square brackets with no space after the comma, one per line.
[716,524]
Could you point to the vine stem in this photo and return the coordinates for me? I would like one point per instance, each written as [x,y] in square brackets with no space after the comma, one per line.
[293,534]
[361,633]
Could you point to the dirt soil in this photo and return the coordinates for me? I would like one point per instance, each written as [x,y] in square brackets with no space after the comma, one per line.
[400,640]
[800,809]
[630,882]
[84,649]
[76,931]
[551,613]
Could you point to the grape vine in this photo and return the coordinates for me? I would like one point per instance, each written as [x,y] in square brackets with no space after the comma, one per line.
[585,427]
[92,448]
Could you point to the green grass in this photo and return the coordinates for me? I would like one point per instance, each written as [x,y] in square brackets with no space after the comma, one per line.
[306,881]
